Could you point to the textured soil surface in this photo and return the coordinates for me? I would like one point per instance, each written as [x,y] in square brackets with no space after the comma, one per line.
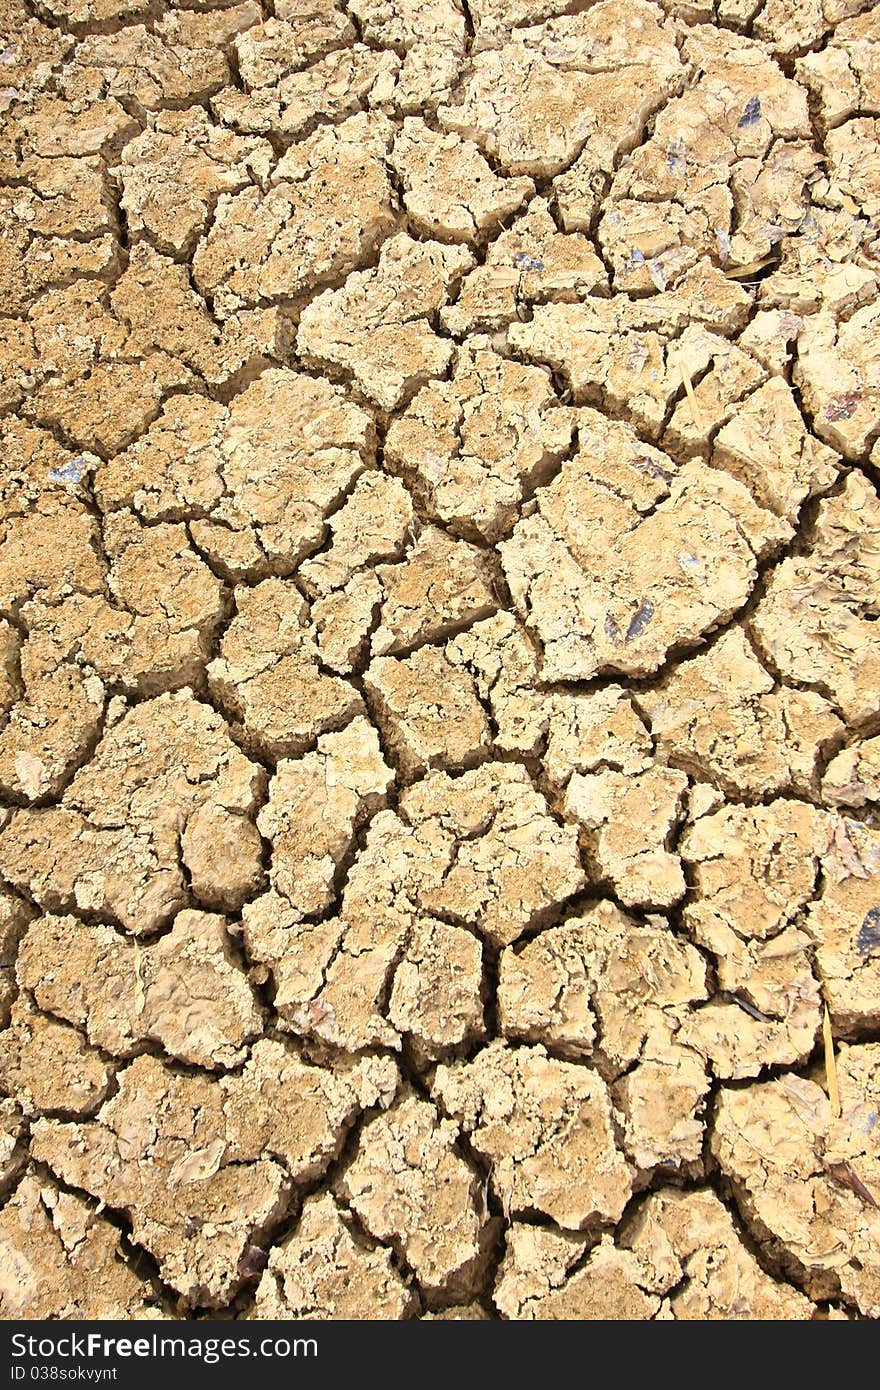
[439,659]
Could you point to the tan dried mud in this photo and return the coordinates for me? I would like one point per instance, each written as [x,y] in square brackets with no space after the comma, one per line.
[439,659]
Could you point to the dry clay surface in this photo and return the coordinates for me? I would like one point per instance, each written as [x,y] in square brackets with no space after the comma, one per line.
[440,659]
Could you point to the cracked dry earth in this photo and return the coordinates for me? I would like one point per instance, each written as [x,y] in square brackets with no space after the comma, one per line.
[439,576]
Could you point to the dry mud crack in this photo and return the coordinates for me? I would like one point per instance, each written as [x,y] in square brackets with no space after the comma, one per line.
[439,659]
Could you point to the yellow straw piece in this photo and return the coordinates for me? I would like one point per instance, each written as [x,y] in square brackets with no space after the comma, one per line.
[691,394]
[830,1065]
[742,272]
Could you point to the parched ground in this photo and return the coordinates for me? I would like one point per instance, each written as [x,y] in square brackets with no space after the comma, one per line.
[439,659]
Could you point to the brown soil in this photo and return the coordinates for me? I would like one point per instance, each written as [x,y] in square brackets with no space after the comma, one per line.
[439,659]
